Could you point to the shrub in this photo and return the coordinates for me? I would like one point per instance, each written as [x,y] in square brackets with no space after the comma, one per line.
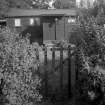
[18,67]
[89,39]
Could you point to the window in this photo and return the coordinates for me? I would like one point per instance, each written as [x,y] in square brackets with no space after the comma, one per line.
[71,20]
[17,22]
[31,21]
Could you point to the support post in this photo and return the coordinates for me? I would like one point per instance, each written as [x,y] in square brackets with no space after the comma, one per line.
[37,57]
[61,68]
[56,19]
[69,71]
[46,74]
[73,80]
[53,58]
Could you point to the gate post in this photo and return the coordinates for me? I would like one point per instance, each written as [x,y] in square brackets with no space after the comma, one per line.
[73,79]
[45,73]
[69,72]
[71,76]
[53,58]
[61,68]
[37,57]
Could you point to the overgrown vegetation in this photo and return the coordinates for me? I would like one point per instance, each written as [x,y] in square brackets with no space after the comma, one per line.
[18,70]
[90,42]
[20,82]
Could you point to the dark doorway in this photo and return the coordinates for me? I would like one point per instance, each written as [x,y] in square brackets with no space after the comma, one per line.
[36,33]
[2,23]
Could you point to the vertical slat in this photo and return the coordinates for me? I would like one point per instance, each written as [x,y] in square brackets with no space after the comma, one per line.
[46,32]
[37,57]
[64,27]
[73,80]
[69,72]
[77,65]
[51,31]
[61,68]
[53,58]
[37,54]
[46,74]
[55,30]
[60,29]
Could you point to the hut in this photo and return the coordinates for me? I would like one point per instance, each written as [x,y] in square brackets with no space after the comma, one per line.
[42,24]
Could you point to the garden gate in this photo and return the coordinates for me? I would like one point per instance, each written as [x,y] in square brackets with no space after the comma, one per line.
[71,72]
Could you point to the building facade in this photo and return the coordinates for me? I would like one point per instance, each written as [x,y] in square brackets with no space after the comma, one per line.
[54,24]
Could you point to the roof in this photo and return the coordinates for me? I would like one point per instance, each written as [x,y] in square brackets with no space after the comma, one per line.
[40,12]
[2,20]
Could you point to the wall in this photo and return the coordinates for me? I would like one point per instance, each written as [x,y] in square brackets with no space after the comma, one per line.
[48,29]
[35,30]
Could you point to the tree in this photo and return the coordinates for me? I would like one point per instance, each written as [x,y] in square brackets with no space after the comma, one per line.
[5,5]
[90,42]
[43,4]
[64,5]
[48,4]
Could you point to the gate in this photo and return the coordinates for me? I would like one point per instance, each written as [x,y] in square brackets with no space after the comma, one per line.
[71,70]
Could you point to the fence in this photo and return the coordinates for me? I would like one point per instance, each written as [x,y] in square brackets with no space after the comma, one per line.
[71,68]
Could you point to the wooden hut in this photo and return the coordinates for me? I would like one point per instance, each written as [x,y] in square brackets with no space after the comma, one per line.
[42,24]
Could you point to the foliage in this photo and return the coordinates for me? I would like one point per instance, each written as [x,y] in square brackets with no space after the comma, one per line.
[89,38]
[97,11]
[18,67]
[59,4]
[91,88]
[5,5]
[91,29]
[44,4]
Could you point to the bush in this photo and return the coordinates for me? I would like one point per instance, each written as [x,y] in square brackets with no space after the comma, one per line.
[18,67]
[89,39]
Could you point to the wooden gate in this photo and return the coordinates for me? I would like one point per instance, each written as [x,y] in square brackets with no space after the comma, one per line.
[70,69]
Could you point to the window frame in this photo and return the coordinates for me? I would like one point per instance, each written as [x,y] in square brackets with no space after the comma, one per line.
[17,22]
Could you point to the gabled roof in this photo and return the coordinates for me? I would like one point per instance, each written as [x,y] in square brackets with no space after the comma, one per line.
[40,12]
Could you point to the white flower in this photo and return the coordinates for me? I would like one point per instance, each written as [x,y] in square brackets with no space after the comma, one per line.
[91,95]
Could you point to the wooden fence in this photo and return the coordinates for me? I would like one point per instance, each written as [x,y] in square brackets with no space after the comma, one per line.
[71,68]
